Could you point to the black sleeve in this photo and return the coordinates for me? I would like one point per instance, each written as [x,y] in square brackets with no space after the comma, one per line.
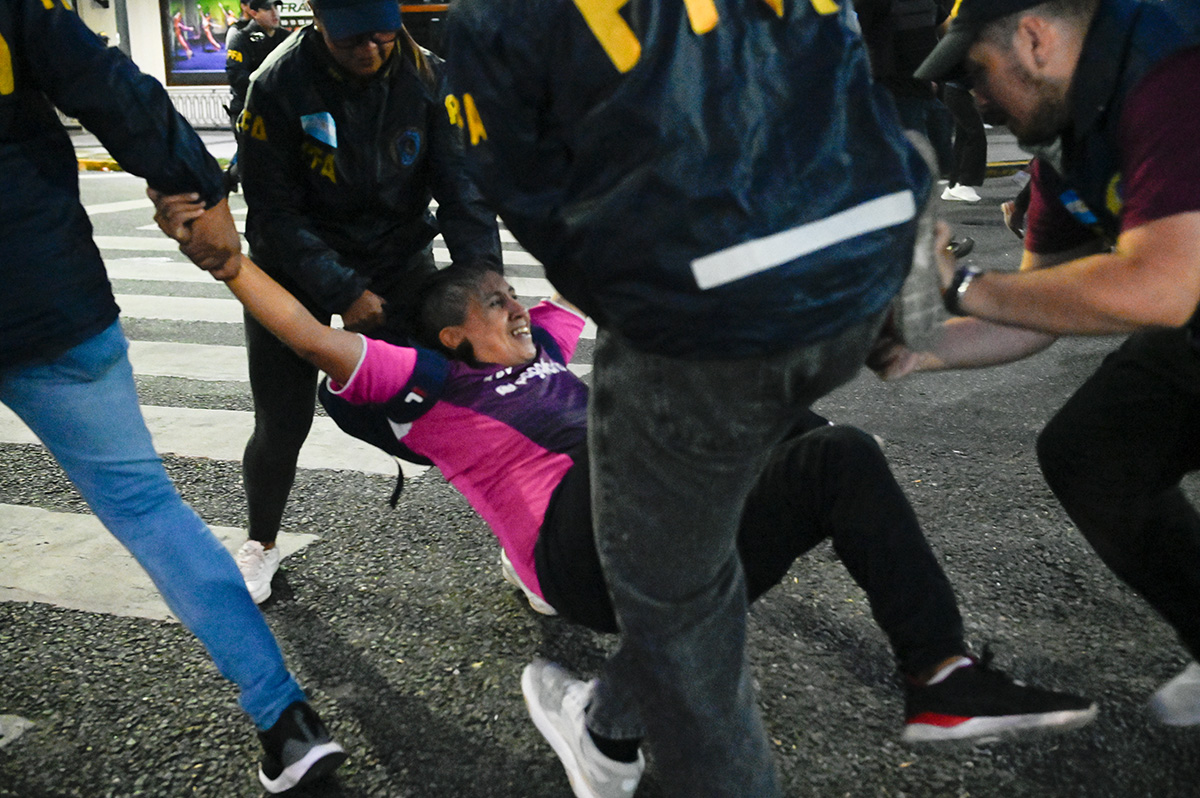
[237,68]
[284,236]
[494,92]
[467,223]
[129,112]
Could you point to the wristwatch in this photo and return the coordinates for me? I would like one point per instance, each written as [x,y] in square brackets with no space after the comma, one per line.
[952,296]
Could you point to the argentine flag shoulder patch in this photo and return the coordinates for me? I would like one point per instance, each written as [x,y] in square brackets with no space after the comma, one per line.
[320,127]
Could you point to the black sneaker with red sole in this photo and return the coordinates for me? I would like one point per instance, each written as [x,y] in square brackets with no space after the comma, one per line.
[975,702]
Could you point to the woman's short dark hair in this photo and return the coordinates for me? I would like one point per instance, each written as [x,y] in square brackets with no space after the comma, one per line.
[442,301]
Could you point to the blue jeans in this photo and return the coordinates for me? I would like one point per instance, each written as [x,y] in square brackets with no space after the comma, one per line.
[84,408]
[676,448]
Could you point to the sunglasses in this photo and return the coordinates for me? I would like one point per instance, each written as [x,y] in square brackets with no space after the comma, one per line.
[380,37]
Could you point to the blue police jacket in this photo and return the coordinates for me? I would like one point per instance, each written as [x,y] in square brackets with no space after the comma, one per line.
[55,290]
[709,179]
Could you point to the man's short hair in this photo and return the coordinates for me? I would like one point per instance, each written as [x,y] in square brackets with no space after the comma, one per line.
[993,21]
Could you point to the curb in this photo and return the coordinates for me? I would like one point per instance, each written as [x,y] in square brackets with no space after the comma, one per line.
[109,165]
[98,165]
[1005,168]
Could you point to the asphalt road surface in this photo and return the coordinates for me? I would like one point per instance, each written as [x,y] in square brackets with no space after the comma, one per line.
[411,645]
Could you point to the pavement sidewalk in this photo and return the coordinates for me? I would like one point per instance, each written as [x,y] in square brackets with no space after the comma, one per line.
[1004,156]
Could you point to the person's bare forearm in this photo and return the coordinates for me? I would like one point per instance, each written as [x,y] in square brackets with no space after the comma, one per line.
[975,343]
[1151,279]
[336,352]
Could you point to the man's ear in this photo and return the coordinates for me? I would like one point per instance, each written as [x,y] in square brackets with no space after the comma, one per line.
[452,337]
[1036,42]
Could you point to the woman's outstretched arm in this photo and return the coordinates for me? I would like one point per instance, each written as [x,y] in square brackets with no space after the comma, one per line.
[336,352]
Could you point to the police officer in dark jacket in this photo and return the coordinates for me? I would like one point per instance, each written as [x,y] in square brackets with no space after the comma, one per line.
[64,368]
[247,46]
[344,141]
[724,189]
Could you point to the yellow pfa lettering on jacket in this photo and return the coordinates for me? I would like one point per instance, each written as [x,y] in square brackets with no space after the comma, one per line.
[319,160]
[621,44]
[234,55]
[1114,197]
[249,123]
[8,83]
[466,114]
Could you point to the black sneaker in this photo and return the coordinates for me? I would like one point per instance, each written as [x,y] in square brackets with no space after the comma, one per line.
[970,701]
[297,750]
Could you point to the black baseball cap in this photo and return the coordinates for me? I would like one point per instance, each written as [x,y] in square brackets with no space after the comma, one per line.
[259,5]
[973,15]
[345,18]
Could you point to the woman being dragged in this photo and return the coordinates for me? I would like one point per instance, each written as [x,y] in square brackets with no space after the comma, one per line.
[489,399]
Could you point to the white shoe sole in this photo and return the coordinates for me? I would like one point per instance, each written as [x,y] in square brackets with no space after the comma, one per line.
[566,754]
[988,729]
[321,759]
[536,602]
[1177,703]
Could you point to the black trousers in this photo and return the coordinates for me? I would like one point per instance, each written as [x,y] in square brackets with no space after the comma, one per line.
[832,482]
[284,387]
[1115,454]
[970,138]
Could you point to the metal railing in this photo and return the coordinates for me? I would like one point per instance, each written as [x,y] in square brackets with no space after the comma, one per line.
[202,106]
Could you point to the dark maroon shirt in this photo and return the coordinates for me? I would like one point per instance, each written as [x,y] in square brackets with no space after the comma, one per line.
[1160,160]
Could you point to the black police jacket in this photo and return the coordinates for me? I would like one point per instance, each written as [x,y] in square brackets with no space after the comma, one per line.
[338,174]
[246,47]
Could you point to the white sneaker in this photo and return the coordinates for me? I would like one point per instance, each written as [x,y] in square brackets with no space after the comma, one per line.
[961,194]
[556,702]
[538,603]
[257,565]
[1177,703]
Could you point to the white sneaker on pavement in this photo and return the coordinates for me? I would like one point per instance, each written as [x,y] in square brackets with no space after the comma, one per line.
[961,193]
[257,565]
[1177,703]
[557,703]
[538,603]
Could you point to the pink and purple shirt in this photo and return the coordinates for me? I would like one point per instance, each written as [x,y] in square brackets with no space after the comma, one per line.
[500,435]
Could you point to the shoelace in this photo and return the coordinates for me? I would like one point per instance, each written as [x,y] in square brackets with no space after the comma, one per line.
[984,665]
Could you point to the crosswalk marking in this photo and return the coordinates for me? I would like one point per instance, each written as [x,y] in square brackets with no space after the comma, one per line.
[35,541]
[222,435]
[120,207]
[156,269]
[180,308]
[137,243]
[205,362]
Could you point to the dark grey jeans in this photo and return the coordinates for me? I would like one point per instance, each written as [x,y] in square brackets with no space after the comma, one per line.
[676,447]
